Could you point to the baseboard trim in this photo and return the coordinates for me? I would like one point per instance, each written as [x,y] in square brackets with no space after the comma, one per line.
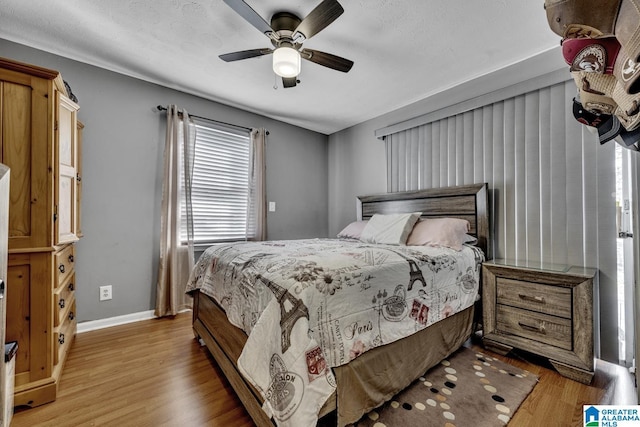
[93,325]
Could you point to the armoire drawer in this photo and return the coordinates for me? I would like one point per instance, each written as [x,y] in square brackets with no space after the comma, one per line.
[63,300]
[64,264]
[64,335]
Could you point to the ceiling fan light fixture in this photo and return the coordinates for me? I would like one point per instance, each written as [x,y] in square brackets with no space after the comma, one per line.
[286,61]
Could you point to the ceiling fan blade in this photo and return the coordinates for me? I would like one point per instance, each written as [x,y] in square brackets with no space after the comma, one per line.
[289,82]
[327,60]
[250,15]
[244,54]
[324,14]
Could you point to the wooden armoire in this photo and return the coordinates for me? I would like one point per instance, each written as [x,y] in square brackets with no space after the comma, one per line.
[40,142]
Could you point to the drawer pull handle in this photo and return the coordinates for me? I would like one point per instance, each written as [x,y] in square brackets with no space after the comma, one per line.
[533,299]
[71,315]
[61,268]
[61,303]
[70,258]
[61,339]
[535,328]
[71,287]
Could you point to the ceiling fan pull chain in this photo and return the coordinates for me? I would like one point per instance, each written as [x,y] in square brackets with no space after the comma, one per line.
[275,82]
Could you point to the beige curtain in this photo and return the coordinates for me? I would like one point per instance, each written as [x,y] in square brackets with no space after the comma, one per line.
[256,206]
[176,255]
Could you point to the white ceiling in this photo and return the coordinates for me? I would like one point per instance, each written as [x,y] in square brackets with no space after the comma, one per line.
[404,50]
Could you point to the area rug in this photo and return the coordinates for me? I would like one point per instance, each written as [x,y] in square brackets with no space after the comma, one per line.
[469,388]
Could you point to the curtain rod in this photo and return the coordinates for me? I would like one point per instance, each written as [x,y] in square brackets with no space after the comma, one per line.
[161,108]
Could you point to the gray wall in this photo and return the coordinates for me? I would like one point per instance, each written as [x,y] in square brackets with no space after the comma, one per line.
[122,180]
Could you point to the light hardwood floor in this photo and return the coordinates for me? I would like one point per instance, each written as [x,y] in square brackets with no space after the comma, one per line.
[154,373]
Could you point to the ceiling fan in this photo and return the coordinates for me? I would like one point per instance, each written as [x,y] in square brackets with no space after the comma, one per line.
[287,33]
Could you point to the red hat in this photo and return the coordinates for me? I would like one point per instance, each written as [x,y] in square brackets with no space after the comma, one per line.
[592,55]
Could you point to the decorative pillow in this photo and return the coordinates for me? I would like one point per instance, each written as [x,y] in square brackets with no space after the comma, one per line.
[392,229]
[472,240]
[353,230]
[449,232]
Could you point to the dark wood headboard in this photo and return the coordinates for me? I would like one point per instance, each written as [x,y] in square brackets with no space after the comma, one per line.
[468,202]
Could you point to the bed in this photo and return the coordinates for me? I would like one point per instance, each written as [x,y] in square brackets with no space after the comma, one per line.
[361,379]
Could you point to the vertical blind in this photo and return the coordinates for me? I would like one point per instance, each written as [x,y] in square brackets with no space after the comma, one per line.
[550,183]
[220,183]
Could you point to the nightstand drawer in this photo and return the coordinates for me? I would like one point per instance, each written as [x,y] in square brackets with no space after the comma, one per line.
[540,327]
[538,297]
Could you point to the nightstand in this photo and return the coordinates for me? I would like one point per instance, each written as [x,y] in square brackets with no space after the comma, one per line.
[545,309]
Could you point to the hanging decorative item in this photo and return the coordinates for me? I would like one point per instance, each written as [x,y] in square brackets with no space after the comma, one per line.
[600,44]
[70,92]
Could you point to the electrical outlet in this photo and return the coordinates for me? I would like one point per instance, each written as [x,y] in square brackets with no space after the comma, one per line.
[106,292]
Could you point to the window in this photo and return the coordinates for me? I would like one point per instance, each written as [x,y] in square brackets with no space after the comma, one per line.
[220,184]
[625,254]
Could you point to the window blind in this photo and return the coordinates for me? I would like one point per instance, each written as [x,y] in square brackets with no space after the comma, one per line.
[220,183]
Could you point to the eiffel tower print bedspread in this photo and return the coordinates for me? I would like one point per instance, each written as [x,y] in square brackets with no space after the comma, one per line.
[309,305]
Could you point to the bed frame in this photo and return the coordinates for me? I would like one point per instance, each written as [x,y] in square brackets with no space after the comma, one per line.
[225,341]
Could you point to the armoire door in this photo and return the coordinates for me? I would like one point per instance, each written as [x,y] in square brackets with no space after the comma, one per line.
[4,250]
[66,171]
[24,148]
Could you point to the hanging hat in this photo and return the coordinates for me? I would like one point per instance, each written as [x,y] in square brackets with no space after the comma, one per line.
[627,71]
[596,91]
[607,125]
[576,18]
[591,55]
[628,111]
[630,140]
[627,29]
[603,94]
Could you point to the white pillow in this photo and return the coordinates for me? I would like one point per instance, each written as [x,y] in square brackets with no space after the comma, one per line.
[353,230]
[391,229]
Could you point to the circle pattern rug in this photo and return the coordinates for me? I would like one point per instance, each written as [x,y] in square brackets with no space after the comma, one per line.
[469,388]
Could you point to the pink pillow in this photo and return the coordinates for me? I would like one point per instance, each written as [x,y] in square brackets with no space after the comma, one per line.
[353,230]
[449,232]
